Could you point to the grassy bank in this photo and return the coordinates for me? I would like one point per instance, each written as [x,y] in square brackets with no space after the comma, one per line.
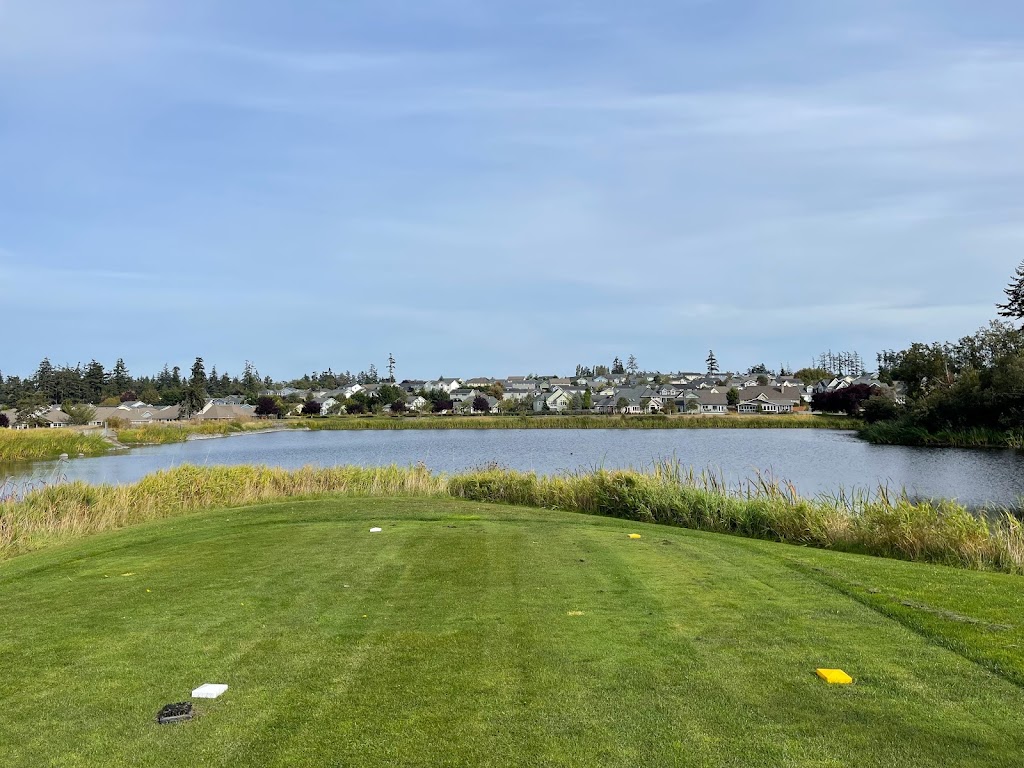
[652,421]
[42,444]
[48,444]
[179,432]
[467,634]
[886,525]
[901,433]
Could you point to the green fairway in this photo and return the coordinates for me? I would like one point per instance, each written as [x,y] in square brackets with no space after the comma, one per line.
[484,635]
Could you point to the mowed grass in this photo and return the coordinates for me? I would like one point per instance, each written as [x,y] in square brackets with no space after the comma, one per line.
[483,635]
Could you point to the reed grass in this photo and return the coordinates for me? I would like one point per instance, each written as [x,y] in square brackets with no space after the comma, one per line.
[179,432]
[901,433]
[882,523]
[70,510]
[585,421]
[41,444]
[46,444]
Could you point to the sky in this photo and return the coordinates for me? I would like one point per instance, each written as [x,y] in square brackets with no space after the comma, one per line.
[503,187]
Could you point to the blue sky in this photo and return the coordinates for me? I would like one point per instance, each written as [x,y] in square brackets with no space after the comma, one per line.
[489,188]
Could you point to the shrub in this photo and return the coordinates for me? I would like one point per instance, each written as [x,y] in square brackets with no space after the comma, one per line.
[879,408]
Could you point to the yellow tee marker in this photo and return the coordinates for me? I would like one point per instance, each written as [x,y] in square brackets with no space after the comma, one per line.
[634,535]
[834,676]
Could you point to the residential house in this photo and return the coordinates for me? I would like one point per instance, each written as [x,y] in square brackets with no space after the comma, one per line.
[462,394]
[703,401]
[55,417]
[555,400]
[762,403]
[447,385]
[226,412]
[791,395]
[136,415]
[468,407]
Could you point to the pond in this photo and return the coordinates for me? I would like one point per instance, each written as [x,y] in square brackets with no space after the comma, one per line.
[815,461]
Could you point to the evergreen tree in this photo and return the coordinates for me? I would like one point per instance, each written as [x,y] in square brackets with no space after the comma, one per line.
[46,380]
[712,363]
[194,397]
[95,377]
[1014,306]
[250,380]
[198,373]
[631,365]
[617,366]
[119,378]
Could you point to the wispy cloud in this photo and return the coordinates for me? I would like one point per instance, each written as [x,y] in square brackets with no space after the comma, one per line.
[589,175]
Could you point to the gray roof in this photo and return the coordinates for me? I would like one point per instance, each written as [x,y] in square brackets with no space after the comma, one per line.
[706,397]
[775,394]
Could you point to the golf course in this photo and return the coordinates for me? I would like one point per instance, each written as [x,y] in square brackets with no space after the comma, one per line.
[473,634]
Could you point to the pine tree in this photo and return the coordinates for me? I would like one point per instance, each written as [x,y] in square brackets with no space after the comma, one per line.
[631,365]
[198,373]
[1014,306]
[391,368]
[712,363]
[120,380]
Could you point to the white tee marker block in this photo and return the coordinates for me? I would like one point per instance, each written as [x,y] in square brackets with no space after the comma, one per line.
[209,691]
[375,530]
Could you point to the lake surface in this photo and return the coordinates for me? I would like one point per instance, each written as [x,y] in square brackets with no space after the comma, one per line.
[816,461]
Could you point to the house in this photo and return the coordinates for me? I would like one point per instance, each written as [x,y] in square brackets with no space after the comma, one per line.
[55,417]
[703,401]
[763,404]
[447,385]
[637,400]
[136,415]
[226,412]
[326,403]
[790,395]
[462,394]
[468,407]
[556,400]
[230,400]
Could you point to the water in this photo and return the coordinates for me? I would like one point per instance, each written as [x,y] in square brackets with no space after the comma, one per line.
[816,461]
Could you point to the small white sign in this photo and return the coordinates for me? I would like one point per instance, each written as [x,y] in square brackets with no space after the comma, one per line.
[209,691]
[375,530]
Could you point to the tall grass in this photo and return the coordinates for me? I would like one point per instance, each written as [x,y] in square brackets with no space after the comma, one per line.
[41,444]
[882,523]
[45,444]
[75,509]
[179,432]
[902,433]
[585,421]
